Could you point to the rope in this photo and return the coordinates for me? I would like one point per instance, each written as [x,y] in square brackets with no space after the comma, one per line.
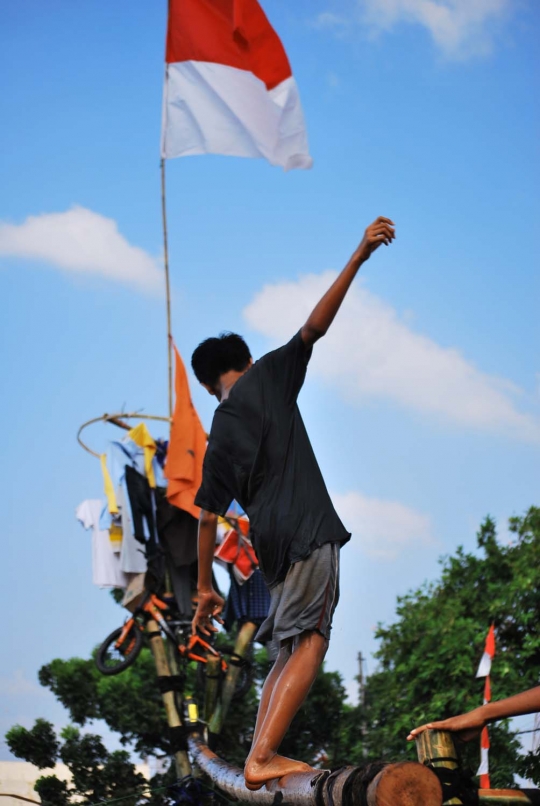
[456,783]
[127,797]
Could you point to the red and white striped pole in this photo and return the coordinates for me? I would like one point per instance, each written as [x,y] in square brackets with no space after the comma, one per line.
[484,670]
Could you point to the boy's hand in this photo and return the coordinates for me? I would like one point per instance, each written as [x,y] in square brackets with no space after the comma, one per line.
[209,606]
[467,726]
[381,231]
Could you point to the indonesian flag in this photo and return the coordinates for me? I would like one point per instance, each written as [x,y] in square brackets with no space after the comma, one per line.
[229,88]
[484,670]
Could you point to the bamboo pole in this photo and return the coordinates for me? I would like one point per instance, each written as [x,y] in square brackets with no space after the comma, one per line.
[432,745]
[409,784]
[167,284]
[211,690]
[243,642]
[437,748]
[183,767]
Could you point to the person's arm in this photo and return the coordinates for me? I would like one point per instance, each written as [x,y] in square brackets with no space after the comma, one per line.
[471,724]
[322,316]
[210,604]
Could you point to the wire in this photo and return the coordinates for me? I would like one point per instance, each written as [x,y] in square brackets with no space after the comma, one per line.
[180,783]
[127,797]
[521,732]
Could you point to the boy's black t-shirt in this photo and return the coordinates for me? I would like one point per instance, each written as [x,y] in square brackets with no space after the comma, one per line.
[259,454]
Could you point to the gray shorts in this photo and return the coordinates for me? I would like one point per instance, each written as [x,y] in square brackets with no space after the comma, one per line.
[306,599]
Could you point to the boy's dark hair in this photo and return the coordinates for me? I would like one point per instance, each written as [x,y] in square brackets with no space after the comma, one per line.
[215,356]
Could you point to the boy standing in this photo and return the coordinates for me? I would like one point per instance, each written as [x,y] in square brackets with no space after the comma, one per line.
[260,455]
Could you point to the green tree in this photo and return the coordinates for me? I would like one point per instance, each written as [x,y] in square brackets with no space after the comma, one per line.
[428,658]
[97,774]
[130,703]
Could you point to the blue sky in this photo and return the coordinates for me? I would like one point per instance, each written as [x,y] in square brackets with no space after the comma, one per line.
[424,403]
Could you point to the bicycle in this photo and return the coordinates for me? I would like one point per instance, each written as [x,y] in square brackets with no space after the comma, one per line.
[121,648]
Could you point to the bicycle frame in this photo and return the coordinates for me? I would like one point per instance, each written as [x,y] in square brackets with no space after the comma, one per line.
[153,607]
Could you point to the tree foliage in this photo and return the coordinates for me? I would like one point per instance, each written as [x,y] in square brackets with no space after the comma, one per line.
[39,746]
[97,774]
[130,703]
[428,658]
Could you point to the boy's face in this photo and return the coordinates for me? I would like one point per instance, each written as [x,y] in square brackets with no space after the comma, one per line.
[217,390]
[210,389]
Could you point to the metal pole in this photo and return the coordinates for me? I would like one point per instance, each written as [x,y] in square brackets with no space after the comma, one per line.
[361,681]
[362,703]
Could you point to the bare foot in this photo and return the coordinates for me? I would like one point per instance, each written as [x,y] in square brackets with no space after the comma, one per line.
[256,775]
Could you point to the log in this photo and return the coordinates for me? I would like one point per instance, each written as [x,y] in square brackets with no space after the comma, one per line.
[405,784]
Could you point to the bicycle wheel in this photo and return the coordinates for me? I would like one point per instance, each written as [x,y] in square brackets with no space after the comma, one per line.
[112,659]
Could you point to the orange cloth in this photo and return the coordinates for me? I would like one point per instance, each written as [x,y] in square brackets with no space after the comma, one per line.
[187,447]
[237,549]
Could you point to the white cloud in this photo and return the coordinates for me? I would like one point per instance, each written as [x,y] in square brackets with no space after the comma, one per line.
[81,241]
[383,529]
[332,80]
[459,28]
[370,352]
[333,21]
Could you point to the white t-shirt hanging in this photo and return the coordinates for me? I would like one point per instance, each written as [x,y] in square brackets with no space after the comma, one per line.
[106,570]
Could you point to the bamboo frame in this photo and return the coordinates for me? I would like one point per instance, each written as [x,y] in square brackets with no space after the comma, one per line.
[183,767]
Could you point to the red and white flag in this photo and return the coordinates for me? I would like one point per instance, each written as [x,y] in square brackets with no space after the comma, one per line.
[229,87]
[484,670]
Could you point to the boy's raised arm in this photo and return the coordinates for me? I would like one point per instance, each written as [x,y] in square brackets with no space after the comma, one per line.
[322,316]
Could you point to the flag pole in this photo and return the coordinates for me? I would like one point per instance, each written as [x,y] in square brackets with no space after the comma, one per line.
[167,284]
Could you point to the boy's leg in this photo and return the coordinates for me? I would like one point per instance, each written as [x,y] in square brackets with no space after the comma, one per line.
[301,612]
[268,688]
[288,692]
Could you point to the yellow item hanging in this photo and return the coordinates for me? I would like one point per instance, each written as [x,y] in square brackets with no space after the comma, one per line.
[109,487]
[141,436]
[116,536]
